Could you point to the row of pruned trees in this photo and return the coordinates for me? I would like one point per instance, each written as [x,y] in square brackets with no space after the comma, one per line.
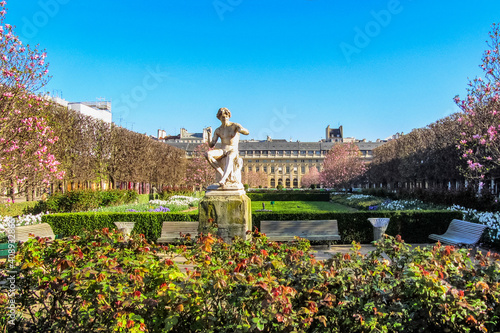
[426,157]
[93,151]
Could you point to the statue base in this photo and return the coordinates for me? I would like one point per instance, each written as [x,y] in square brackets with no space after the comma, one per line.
[229,211]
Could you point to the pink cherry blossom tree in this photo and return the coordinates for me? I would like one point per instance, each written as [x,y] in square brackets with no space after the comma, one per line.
[199,173]
[25,137]
[342,165]
[480,139]
[311,177]
[254,178]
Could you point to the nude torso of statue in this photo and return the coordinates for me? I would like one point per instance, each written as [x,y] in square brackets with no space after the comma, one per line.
[229,134]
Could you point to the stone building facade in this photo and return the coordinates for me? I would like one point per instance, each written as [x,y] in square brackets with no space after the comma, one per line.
[285,162]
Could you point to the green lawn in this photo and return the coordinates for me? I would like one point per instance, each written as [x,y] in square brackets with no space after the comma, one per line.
[302,206]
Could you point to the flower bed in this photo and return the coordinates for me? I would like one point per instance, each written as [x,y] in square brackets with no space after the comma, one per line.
[175,203]
[102,282]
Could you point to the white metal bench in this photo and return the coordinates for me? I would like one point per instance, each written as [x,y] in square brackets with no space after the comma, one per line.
[313,230]
[461,233]
[171,230]
[41,230]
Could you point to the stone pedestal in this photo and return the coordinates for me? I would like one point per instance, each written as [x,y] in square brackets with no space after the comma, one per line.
[230,210]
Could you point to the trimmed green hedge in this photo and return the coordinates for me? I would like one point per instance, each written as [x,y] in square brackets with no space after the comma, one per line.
[289,196]
[83,200]
[413,226]
[149,224]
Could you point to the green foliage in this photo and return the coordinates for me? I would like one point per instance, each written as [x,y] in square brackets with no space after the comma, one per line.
[149,224]
[289,196]
[103,282]
[279,187]
[83,200]
[16,209]
[413,226]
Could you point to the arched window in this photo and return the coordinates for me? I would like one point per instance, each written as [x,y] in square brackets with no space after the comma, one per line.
[273,182]
[295,182]
[288,182]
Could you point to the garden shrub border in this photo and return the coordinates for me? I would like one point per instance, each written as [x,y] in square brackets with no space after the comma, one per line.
[413,226]
[147,223]
[83,200]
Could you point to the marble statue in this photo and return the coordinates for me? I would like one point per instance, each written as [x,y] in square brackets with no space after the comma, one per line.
[226,160]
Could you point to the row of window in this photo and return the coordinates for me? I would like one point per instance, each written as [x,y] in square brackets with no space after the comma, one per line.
[281,161]
[287,182]
[279,169]
[283,152]
[292,152]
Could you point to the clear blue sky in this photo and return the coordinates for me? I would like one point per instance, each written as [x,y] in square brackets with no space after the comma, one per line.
[285,68]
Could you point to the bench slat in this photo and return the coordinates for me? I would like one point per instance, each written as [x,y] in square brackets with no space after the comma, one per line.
[461,232]
[40,230]
[311,230]
[170,231]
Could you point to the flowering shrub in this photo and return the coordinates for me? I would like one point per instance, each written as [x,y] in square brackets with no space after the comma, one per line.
[160,209]
[479,141]
[102,282]
[175,203]
[359,201]
[360,196]
[401,205]
[177,200]
[492,220]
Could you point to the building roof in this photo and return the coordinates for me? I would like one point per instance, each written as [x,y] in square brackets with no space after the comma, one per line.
[280,145]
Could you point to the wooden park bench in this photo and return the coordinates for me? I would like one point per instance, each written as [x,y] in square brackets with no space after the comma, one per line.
[22,235]
[40,230]
[313,230]
[171,231]
[461,233]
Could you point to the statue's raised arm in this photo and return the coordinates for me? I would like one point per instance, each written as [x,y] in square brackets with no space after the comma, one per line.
[242,130]
[226,160]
